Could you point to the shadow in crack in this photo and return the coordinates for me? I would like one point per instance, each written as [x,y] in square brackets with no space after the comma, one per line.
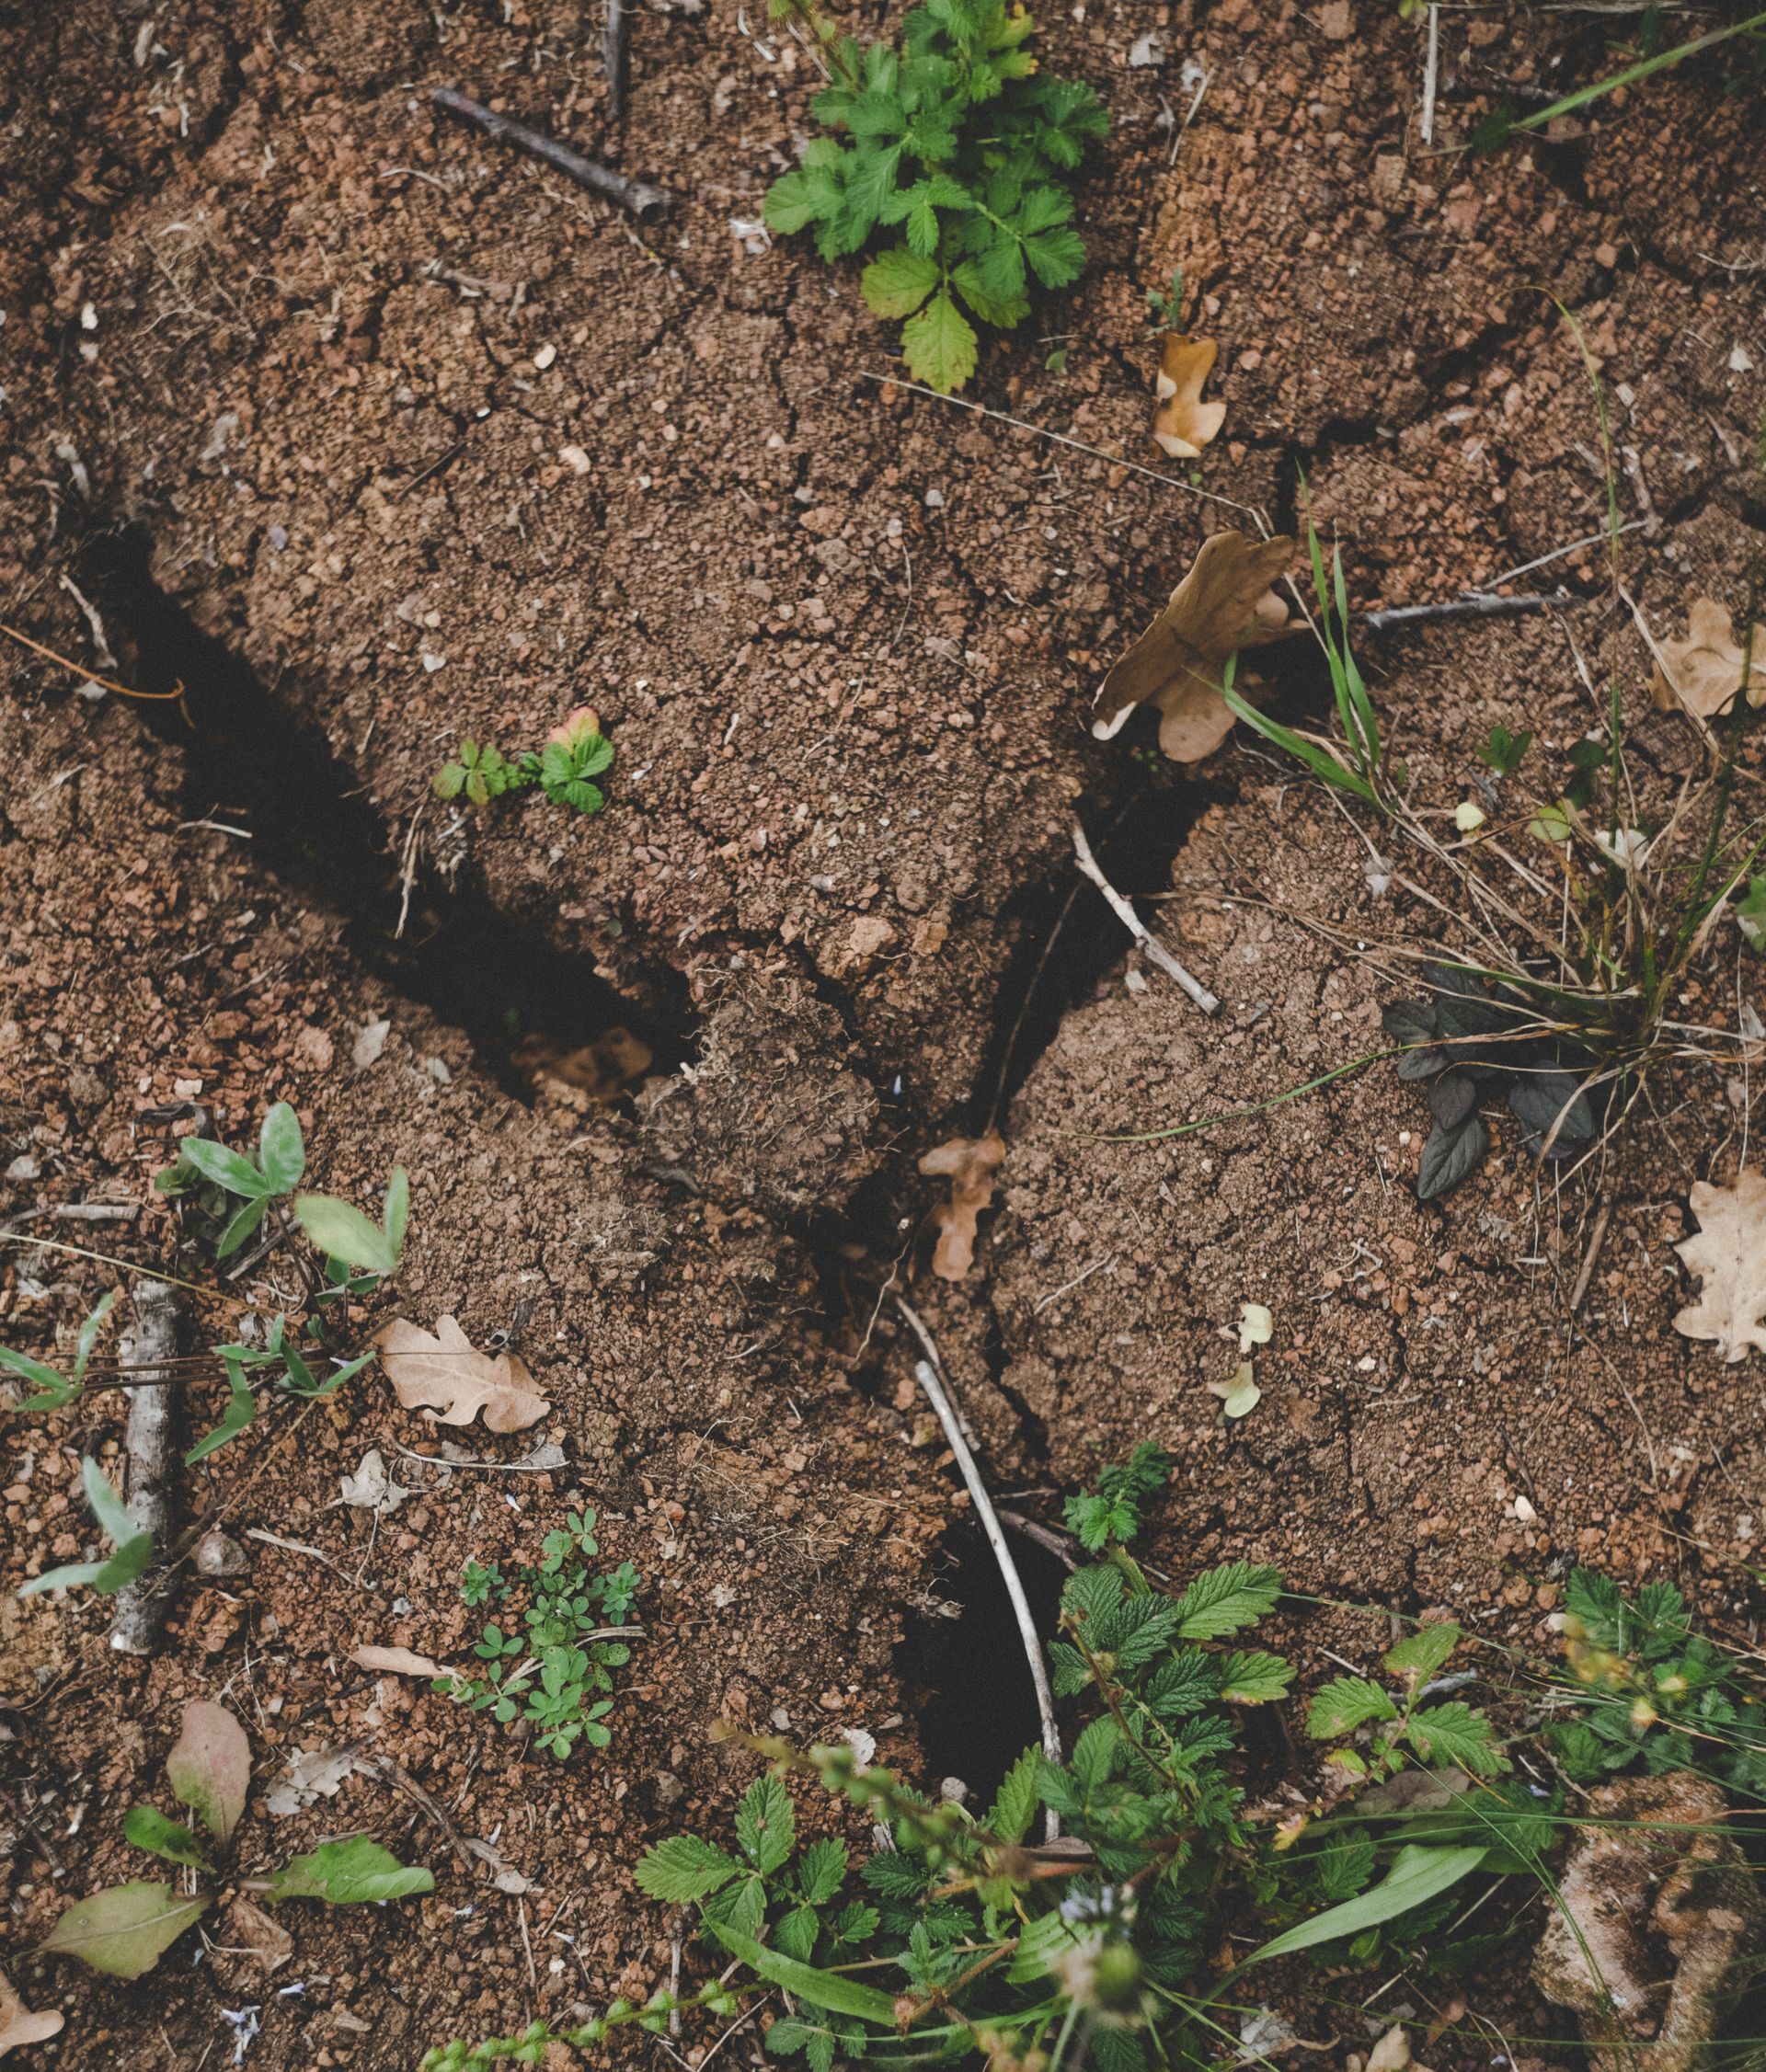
[515,994]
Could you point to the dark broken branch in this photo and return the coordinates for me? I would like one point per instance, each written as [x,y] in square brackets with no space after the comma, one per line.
[616,57]
[643,200]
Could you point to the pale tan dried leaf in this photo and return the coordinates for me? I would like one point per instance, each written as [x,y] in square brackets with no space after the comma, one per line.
[1185,424]
[1729,1254]
[969,1164]
[445,1373]
[251,1929]
[20,2027]
[1224,603]
[1704,671]
[395,1662]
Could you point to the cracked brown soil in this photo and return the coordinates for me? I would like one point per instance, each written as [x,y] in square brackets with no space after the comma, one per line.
[378,438]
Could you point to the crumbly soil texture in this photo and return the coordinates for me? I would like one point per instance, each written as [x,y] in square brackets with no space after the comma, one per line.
[351,435]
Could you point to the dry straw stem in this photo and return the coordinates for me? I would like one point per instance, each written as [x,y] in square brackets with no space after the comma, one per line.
[150,1341]
[1154,950]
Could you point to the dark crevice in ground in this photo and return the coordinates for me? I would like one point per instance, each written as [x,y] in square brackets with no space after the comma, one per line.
[964,1677]
[248,760]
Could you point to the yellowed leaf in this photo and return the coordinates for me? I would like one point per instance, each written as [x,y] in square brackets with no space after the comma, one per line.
[446,1374]
[1184,423]
[1224,603]
[1729,1254]
[969,1164]
[395,1662]
[1241,1395]
[1704,671]
[20,2027]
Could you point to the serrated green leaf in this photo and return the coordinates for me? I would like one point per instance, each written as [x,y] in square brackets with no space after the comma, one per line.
[795,1933]
[940,345]
[1015,1807]
[1346,1703]
[1252,1677]
[1005,312]
[1455,1733]
[1226,1599]
[821,1871]
[897,282]
[766,1826]
[684,1869]
[1056,257]
[126,1930]
[349,1873]
[1419,1655]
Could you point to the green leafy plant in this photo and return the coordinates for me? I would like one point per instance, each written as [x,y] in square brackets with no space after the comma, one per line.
[236,1190]
[573,754]
[952,139]
[1112,1509]
[1165,306]
[556,1670]
[131,1550]
[1653,1694]
[1400,1726]
[125,1930]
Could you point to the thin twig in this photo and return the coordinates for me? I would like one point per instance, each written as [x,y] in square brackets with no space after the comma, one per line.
[407,872]
[1589,1256]
[1152,947]
[643,200]
[615,53]
[931,1379]
[1431,66]
[149,1340]
[1478,605]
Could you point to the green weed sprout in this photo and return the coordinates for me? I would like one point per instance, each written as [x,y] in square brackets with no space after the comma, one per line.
[953,140]
[131,1551]
[573,752]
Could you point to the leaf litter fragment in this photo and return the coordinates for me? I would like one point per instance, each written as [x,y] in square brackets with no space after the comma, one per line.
[372,1488]
[1705,672]
[1728,1252]
[1241,1395]
[1184,423]
[21,2026]
[445,1373]
[969,1164]
[1224,603]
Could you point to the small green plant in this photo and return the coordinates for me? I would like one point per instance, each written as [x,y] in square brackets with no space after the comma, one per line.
[1112,1509]
[125,1930]
[131,1551]
[1400,1726]
[1653,1694]
[961,145]
[554,1671]
[573,752]
[1165,306]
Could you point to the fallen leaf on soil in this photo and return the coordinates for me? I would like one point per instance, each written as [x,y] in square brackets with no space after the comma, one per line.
[1185,424]
[1223,604]
[252,1930]
[1256,1326]
[1392,2053]
[1651,1869]
[311,1773]
[371,1488]
[125,1932]
[370,1042]
[395,1662]
[20,2027]
[1729,1254]
[1704,671]
[1241,1395]
[969,1162]
[447,1374]
[209,1769]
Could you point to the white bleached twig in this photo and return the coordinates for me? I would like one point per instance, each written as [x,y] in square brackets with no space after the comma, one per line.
[1152,947]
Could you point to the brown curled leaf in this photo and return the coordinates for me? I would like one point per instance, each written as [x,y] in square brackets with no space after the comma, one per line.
[1729,1253]
[1185,424]
[445,1373]
[1704,671]
[969,1164]
[1224,603]
[19,2026]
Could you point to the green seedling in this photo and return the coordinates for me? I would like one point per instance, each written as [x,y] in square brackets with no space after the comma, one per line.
[131,1551]
[552,1671]
[1165,307]
[573,754]
[124,1930]
[1401,1727]
[235,1190]
[953,142]
[1111,1511]
[54,1390]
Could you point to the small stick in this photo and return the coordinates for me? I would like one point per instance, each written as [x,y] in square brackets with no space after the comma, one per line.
[149,1340]
[1430,70]
[1152,947]
[1480,604]
[930,1379]
[643,200]
[1589,1256]
[616,55]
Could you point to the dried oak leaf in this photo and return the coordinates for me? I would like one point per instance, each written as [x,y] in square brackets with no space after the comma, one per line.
[1704,671]
[1185,424]
[20,2027]
[445,1373]
[1729,1252]
[969,1164]
[1223,604]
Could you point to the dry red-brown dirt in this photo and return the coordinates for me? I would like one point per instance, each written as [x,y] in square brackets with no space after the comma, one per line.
[374,437]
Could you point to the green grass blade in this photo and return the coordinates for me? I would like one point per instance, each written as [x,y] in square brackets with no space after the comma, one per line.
[832,1990]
